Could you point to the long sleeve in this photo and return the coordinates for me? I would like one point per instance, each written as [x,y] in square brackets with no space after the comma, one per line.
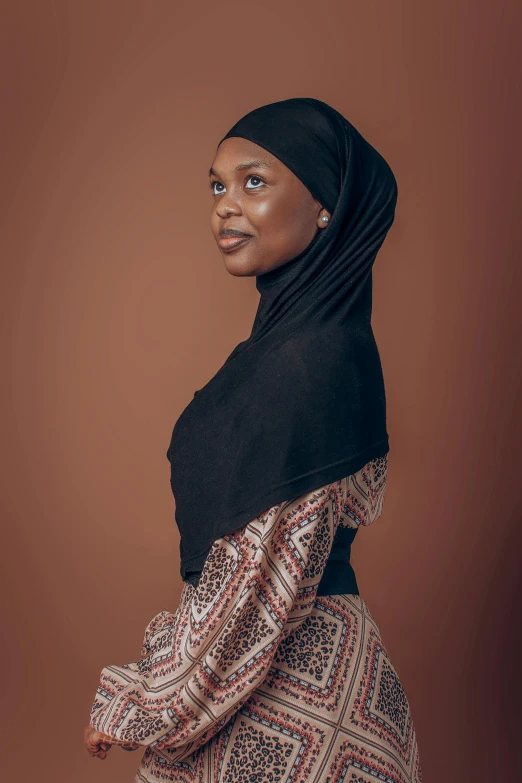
[201,663]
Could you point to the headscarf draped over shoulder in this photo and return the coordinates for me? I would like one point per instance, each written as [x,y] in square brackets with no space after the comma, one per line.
[300,403]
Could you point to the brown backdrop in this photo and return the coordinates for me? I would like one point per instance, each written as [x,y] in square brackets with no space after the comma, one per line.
[116,306]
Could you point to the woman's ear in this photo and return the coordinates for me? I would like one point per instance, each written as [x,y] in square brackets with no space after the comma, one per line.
[323,218]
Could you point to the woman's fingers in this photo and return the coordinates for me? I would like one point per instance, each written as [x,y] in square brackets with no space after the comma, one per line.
[98,744]
[98,753]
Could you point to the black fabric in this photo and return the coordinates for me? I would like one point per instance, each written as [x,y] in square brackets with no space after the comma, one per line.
[301,402]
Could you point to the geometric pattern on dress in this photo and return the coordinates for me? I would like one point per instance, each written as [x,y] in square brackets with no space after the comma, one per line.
[263,743]
[293,544]
[256,678]
[223,566]
[312,663]
[158,769]
[363,501]
[380,706]
[353,762]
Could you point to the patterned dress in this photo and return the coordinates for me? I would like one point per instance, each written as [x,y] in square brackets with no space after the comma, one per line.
[257,679]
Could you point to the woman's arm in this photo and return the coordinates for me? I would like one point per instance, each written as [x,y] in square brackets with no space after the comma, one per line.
[201,664]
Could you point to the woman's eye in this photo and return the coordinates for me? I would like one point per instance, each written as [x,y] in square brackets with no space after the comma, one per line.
[213,186]
[260,181]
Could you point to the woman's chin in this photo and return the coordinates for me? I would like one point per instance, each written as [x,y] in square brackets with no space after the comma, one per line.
[240,265]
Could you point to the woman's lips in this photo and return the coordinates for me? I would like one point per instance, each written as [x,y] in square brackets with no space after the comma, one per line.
[230,243]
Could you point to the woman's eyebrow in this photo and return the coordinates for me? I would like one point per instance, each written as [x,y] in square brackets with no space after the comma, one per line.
[251,164]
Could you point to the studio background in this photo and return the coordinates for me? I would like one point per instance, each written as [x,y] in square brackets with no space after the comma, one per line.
[116,306]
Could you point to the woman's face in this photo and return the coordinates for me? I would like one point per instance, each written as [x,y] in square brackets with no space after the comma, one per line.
[255,194]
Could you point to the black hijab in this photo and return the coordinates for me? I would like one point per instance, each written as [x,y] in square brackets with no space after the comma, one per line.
[300,403]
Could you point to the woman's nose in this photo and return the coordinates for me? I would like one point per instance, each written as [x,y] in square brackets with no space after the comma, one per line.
[228,206]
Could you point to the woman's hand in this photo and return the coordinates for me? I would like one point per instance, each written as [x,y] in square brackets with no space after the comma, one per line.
[98,744]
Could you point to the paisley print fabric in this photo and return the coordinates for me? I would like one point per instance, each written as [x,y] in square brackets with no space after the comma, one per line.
[255,678]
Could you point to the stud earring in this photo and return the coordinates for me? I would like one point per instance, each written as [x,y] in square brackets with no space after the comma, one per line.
[325,219]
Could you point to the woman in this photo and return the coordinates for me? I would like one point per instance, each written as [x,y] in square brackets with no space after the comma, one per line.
[272,668]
